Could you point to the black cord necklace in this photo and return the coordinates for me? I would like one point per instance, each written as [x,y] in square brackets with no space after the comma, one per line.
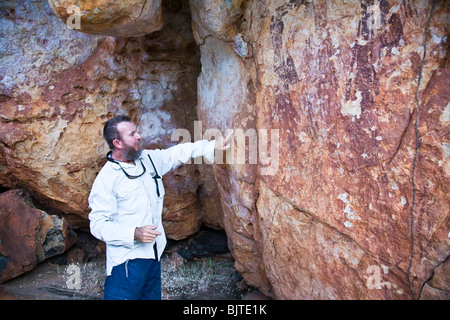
[129,176]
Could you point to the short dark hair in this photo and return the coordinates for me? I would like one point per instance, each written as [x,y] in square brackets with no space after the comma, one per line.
[110,132]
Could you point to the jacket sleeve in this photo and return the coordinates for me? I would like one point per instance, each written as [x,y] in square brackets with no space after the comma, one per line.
[103,206]
[172,157]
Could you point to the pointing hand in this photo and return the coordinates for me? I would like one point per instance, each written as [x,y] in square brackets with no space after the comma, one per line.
[222,144]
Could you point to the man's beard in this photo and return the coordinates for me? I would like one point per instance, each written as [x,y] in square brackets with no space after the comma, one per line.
[131,154]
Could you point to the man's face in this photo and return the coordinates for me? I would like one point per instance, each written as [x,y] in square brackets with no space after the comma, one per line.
[130,140]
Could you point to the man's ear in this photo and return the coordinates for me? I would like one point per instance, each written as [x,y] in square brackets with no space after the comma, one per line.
[117,143]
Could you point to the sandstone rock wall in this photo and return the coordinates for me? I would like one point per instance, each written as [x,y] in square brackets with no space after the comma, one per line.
[339,81]
[59,87]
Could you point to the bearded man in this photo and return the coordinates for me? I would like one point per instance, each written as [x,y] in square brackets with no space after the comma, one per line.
[126,204]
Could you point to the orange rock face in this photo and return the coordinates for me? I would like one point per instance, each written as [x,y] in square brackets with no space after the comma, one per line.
[56,97]
[112,18]
[339,82]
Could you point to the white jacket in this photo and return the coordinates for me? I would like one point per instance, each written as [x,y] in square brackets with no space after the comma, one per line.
[120,204]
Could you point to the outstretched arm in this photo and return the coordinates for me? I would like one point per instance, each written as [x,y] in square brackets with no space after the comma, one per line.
[172,157]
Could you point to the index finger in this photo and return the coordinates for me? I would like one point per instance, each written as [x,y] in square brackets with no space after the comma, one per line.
[155,232]
[229,136]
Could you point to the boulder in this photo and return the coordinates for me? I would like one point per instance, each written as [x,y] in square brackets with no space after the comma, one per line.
[54,103]
[110,17]
[330,92]
[28,235]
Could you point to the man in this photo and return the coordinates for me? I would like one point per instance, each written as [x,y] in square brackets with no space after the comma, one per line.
[126,202]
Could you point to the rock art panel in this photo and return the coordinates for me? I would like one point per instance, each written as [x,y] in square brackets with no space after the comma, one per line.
[340,83]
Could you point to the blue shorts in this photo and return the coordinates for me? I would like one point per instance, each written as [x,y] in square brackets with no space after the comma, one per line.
[136,279]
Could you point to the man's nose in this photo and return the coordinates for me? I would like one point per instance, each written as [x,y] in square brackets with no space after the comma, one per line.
[138,136]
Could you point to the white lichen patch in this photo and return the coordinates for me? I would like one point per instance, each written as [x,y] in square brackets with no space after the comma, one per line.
[403,201]
[445,116]
[343,197]
[348,224]
[352,107]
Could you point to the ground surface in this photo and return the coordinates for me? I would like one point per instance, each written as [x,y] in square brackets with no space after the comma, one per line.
[191,269]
